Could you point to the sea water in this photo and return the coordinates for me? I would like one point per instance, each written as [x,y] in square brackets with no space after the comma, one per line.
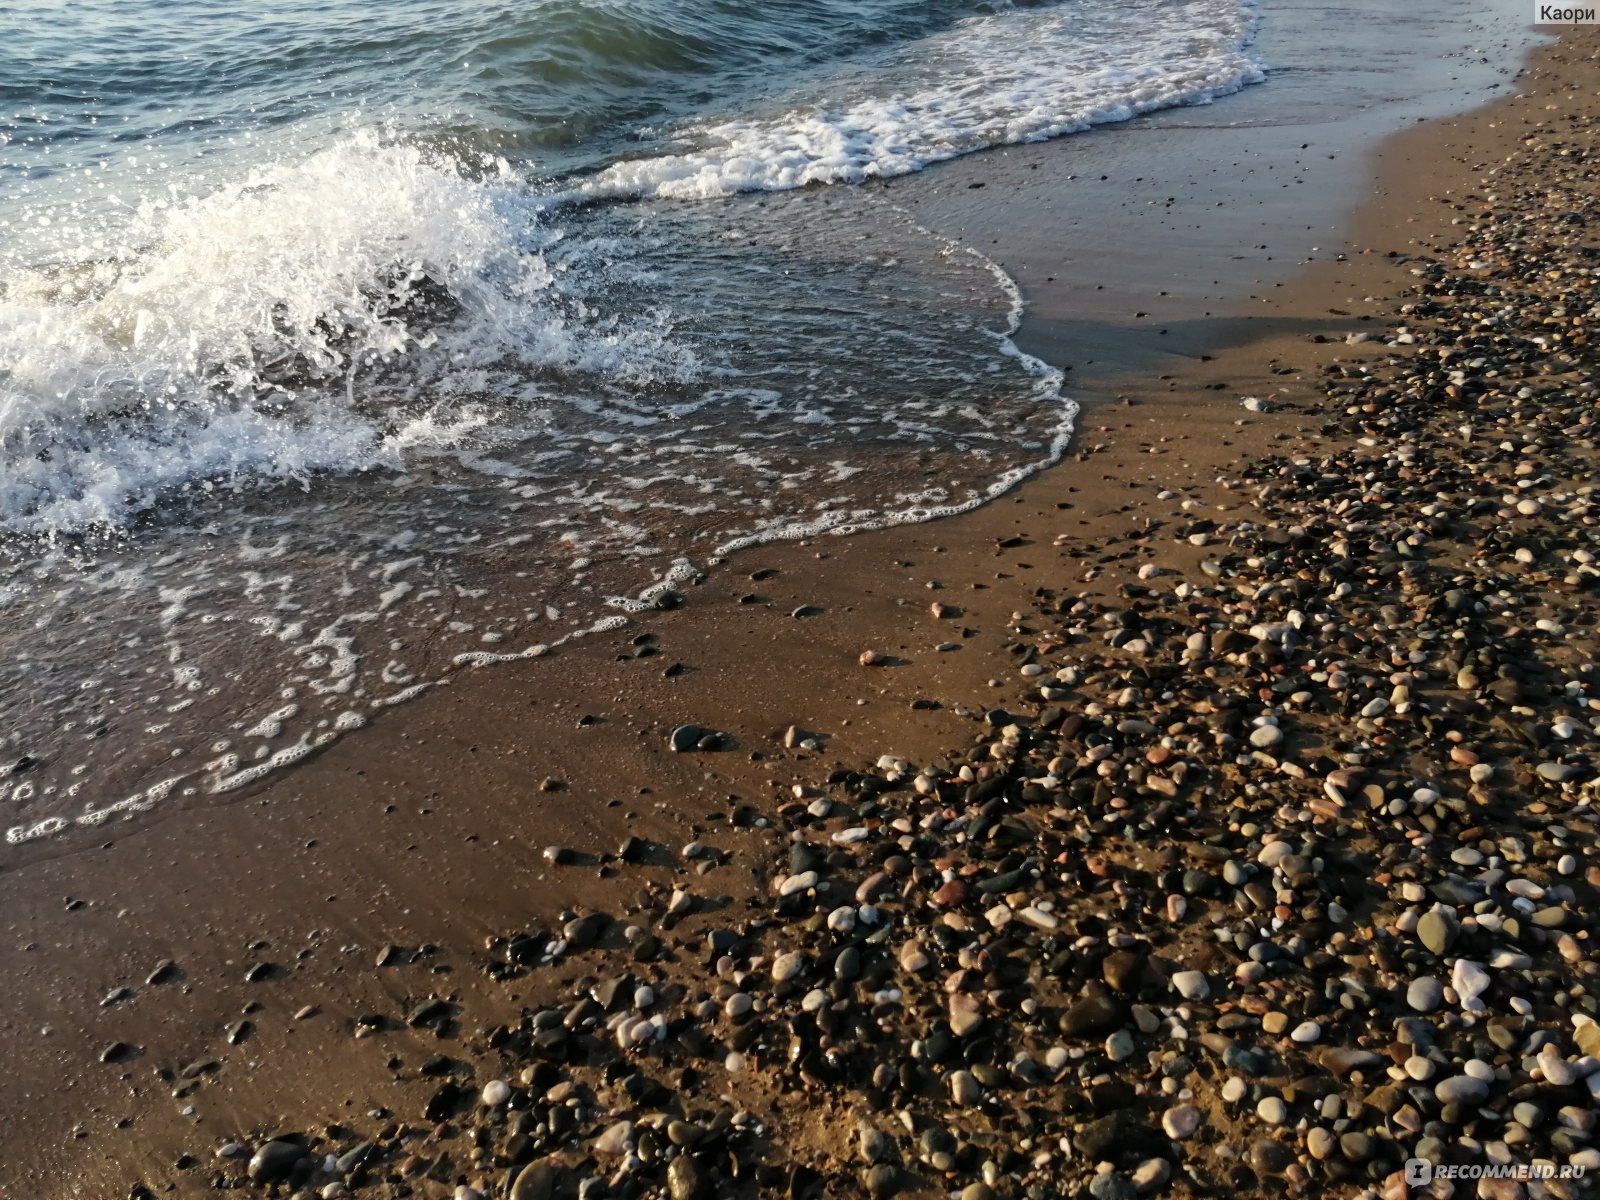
[345,346]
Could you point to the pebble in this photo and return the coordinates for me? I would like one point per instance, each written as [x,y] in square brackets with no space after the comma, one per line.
[614,1142]
[1436,931]
[685,1178]
[1181,1122]
[964,1089]
[535,1181]
[1151,1175]
[1265,737]
[1120,1046]
[685,738]
[275,1161]
[1112,1186]
[1470,981]
[1419,1068]
[882,1181]
[1425,994]
[1461,1089]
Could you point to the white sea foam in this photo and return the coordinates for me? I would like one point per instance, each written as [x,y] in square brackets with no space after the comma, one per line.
[248,334]
[1017,75]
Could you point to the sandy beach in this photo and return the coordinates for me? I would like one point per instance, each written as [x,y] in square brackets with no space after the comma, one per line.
[1211,815]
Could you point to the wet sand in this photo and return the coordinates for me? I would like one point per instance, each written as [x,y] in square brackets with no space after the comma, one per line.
[428,832]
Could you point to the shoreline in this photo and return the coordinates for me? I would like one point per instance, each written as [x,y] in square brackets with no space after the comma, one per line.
[330,828]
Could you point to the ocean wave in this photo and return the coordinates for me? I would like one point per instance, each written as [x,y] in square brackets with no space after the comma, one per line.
[251,335]
[1017,75]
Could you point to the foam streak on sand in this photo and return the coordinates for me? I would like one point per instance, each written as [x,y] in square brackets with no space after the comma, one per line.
[1047,381]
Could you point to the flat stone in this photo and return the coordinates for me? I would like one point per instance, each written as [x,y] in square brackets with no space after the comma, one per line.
[964,1014]
[1123,970]
[1436,931]
[1112,1186]
[882,1181]
[582,931]
[275,1161]
[1093,1016]
[1587,1035]
[1181,1122]
[685,738]
[1461,1089]
[1425,994]
[1356,1146]
[686,1178]
[964,1089]
[1265,737]
[614,1141]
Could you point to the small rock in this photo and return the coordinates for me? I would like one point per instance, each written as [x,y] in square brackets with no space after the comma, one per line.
[1436,931]
[1180,1123]
[964,1089]
[275,1161]
[685,738]
[1425,994]
[1461,1089]
[1265,737]
[1093,1016]
[119,1052]
[686,1179]
[882,1181]
[1112,1186]
[536,1181]
[614,1141]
